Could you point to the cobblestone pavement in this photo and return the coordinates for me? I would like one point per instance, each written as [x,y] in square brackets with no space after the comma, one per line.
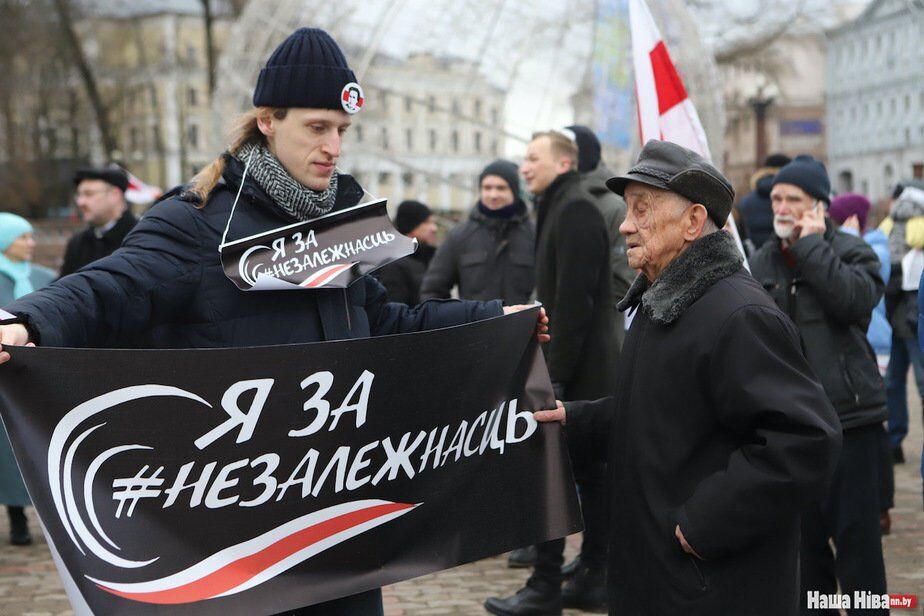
[29,584]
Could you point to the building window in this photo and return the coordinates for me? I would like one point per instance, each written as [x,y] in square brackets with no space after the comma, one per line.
[359,134]
[477,108]
[494,150]
[409,138]
[407,179]
[431,104]
[455,107]
[494,116]
[384,177]
[478,142]
[384,100]
[384,138]
[192,136]
[917,171]
[432,140]
[408,104]
[454,141]
[191,97]
[134,139]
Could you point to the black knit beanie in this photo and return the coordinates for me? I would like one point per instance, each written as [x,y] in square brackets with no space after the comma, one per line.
[505,170]
[308,70]
[808,174]
[409,215]
[588,148]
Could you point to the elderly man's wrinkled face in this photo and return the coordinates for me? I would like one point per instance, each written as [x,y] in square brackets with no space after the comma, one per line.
[656,227]
[789,203]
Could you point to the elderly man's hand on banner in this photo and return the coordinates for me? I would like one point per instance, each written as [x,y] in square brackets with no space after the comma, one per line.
[15,335]
[556,414]
[542,323]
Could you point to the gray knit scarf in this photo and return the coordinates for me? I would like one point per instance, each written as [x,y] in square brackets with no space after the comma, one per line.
[285,191]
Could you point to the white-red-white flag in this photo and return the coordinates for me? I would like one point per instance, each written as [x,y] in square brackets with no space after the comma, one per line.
[138,191]
[665,112]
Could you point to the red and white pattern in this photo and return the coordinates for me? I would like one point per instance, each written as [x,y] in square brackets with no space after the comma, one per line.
[248,564]
[325,275]
[665,112]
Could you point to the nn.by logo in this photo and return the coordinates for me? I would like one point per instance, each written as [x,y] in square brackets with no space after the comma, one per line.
[860,600]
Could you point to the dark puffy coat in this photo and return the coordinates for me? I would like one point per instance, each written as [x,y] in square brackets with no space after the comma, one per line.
[488,258]
[403,277]
[573,283]
[85,248]
[755,207]
[830,295]
[167,279]
[613,209]
[718,426]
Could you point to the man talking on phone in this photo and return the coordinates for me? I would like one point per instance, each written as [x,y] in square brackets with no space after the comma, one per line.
[828,283]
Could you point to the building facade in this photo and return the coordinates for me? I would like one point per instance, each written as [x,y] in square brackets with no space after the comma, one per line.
[875,99]
[428,127]
[787,80]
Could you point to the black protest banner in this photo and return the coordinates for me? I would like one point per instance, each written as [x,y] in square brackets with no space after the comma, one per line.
[256,480]
[329,251]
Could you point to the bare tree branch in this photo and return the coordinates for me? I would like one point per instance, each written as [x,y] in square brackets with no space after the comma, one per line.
[66,23]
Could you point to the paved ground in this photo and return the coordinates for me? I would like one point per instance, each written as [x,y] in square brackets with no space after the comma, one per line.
[29,584]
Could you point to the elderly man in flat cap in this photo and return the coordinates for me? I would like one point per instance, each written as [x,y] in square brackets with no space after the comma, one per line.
[719,435]
[100,198]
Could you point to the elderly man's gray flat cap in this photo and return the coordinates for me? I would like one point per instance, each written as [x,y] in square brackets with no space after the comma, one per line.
[666,165]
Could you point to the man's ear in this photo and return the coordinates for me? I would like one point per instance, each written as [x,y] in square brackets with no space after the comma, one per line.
[694,220]
[266,124]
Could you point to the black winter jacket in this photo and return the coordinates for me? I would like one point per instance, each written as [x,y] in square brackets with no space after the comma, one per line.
[488,258]
[167,279]
[573,283]
[403,277]
[756,209]
[85,248]
[718,426]
[830,296]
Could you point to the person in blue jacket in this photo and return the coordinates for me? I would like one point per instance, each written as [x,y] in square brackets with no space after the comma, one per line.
[166,284]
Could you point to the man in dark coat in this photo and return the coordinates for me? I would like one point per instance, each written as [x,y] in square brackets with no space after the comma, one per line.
[167,279]
[402,279]
[491,255]
[100,197]
[828,282]
[719,435]
[573,283]
[754,207]
[594,174]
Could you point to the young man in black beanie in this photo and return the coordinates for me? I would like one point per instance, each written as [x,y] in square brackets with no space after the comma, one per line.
[168,281]
[491,254]
[828,282]
[402,278]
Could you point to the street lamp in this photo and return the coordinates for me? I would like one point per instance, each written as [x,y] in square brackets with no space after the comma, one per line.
[760,102]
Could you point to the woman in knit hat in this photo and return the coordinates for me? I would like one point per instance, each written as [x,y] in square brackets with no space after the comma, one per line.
[18,276]
[167,281]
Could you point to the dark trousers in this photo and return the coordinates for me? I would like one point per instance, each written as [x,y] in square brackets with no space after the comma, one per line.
[590,477]
[849,516]
[905,354]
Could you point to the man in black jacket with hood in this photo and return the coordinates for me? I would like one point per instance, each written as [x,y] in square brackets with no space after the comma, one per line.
[719,436]
[828,282]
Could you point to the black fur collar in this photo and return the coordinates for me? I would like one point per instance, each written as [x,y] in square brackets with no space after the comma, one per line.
[708,260]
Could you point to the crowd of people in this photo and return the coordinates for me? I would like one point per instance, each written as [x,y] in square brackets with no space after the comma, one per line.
[733,447]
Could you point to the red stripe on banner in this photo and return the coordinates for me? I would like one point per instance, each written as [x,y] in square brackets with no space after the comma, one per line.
[333,273]
[667,82]
[236,573]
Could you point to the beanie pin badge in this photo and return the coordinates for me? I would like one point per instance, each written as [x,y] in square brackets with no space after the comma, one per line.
[351,98]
